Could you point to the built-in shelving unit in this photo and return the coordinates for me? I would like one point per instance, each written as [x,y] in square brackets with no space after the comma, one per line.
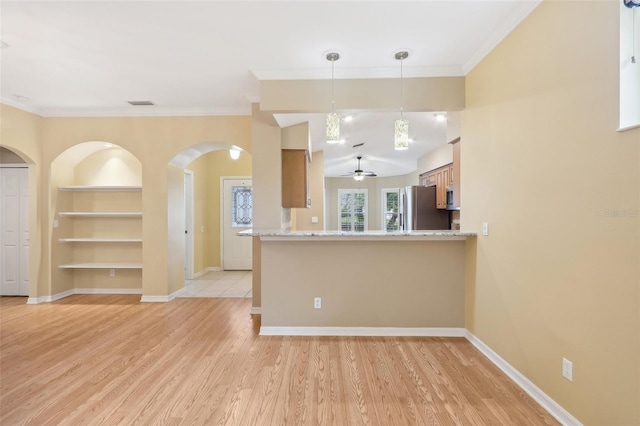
[102,226]
[100,240]
[100,214]
[101,265]
[90,188]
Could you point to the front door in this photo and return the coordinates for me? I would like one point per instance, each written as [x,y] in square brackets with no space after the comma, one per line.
[14,232]
[237,215]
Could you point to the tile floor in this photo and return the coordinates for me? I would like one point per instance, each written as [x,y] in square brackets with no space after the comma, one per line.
[225,284]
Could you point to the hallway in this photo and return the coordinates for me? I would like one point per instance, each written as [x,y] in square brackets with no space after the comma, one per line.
[223,284]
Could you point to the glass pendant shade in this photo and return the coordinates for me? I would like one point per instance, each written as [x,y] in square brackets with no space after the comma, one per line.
[234,154]
[333,128]
[401,140]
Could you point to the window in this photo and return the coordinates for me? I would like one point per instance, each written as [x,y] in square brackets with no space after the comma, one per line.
[352,211]
[390,219]
[241,206]
[629,71]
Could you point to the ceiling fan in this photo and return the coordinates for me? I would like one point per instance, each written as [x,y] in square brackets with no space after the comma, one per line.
[359,174]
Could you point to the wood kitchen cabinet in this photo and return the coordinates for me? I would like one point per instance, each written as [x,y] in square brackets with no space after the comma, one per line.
[440,178]
[295,179]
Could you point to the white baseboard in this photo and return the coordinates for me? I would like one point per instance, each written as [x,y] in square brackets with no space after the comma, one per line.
[58,296]
[48,299]
[256,310]
[161,299]
[205,270]
[363,331]
[562,415]
[107,291]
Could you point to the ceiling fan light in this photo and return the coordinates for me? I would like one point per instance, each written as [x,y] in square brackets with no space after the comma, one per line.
[333,128]
[234,154]
[401,141]
[358,177]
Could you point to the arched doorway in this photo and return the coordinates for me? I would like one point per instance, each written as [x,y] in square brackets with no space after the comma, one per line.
[209,166]
[14,224]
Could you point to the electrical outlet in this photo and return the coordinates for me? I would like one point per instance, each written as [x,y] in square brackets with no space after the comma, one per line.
[485,228]
[567,369]
[112,272]
[317,302]
[314,219]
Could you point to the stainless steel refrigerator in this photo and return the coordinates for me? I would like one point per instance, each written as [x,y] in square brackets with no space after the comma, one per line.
[418,209]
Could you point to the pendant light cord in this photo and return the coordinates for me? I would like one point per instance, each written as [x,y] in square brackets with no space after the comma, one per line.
[332,98]
[633,35]
[401,97]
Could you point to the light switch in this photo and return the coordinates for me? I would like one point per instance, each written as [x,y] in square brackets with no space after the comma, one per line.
[485,228]
[314,219]
[55,223]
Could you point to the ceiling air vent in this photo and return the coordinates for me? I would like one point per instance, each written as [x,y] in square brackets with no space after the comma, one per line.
[357,145]
[140,103]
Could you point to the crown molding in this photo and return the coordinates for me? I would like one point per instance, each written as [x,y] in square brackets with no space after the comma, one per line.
[144,111]
[359,73]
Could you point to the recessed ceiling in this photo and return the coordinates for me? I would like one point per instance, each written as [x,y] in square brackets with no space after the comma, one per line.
[89,58]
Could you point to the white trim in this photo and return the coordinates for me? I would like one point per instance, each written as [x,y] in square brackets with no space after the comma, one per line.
[363,331]
[14,166]
[145,111]
[222,207]
[631,127]
[107,291]
[52,298]
[161,299]
[256,310]
[189,223]
[206,270]
[562,415]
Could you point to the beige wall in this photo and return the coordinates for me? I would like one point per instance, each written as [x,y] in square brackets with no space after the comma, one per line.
[21,132]
[208,170]
[9,157]
[155,141]
[542,163]
[438,157]
[392,283]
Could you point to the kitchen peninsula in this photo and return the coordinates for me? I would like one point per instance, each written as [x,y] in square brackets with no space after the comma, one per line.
[371,283]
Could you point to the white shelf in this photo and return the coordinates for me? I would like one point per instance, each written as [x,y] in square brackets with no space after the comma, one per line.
[101,265]
[100,240]
[101,188]
[100,214]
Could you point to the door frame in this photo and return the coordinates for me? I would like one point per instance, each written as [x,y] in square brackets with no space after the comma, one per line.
[222,179]
[25,263]
[188,219]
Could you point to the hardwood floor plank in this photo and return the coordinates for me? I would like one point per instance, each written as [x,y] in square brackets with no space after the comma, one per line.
[109,359]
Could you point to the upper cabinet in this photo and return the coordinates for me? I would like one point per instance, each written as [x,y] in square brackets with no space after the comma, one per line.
[440,178]
[295,179]
[296,156]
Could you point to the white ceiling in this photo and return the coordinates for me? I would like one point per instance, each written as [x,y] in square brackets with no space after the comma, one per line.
[88,58]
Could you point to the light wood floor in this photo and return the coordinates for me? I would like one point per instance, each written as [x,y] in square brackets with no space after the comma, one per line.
[112,360]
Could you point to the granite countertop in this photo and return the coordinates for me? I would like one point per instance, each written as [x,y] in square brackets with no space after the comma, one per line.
[279,233]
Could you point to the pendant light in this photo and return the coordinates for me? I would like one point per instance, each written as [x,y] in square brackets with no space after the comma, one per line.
[333,119]
[401,139]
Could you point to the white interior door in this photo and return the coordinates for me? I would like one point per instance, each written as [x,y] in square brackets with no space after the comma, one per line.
[237,215]
[14,232]
[188,226]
